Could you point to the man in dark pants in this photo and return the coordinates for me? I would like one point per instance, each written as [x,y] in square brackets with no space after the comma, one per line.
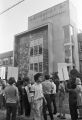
[47,88]
[12,98]
[53,95]
[72,99]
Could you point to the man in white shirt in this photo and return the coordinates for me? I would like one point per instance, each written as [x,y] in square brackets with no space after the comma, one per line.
[53,95]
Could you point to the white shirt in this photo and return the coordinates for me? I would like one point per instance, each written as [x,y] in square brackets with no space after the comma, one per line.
[38,92]
[53,88]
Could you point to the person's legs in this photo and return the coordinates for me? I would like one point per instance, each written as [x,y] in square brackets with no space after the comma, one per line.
[38,109]
[8,111]
[27,107]
[48,99]
[14,109]
[73,111]
[44,110]
[54,103]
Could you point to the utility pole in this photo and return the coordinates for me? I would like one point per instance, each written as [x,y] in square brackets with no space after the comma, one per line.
[11,7]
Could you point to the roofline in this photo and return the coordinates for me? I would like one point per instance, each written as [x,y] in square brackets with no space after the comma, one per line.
[32,29]
[48,8]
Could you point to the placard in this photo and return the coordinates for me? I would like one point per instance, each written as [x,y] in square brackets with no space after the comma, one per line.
[63,72]
[12,72]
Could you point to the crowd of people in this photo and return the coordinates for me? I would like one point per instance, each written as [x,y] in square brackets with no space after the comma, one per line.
[39,98]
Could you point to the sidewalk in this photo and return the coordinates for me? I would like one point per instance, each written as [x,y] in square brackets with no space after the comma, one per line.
[55,118]
[22,117]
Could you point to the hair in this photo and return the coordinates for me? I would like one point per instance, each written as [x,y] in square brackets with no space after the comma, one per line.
[47,77]
[73,85]
[11,80]
[36,76]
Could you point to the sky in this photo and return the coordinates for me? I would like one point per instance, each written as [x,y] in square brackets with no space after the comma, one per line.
[15,20]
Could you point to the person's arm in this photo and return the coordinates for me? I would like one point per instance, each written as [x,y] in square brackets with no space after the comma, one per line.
[17,95]
[54,88]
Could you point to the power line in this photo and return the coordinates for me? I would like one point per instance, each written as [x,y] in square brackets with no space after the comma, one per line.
[11,7]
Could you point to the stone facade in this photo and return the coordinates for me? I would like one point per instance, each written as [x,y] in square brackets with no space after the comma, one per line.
[80,50]
[22,48]
[62,19]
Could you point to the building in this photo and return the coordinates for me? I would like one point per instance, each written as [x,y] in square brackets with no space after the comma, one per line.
[6,59]
[51,39]
[80,50]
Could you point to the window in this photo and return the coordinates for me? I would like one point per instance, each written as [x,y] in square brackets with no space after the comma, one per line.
[40,49]
[80,47]
[11,60]
[31,66]
[67,51]
[40,66]
[71,33]
[31,51]
[4,62]
[36,67]
[0,62]
[36,50]
[67,60]
[66,34]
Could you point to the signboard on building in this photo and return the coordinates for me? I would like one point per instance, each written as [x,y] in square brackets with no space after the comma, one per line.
[63,72]
[12,72]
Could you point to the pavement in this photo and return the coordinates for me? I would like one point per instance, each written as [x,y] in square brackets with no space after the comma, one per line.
[3,115]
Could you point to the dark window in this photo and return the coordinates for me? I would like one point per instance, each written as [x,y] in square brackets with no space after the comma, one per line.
[67,60]
[40,66]
[11,60]
[81,47]
[67,51]
[31,51]
[36,67]
[31,66]
[35,50]
[6,62]
[40,49]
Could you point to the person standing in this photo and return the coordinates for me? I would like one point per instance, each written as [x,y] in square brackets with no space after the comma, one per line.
[71,89]
[79,96]
[26,101]
[12,99]
[37,97]
[61,93]
[53,95]
[47,89]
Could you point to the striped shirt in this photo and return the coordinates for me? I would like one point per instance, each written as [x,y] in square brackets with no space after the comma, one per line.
[11,94]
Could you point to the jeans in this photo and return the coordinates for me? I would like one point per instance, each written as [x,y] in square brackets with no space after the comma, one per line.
[54,102]
[11,109]
[48,99]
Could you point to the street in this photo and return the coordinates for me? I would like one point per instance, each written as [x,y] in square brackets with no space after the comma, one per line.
[3,115]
